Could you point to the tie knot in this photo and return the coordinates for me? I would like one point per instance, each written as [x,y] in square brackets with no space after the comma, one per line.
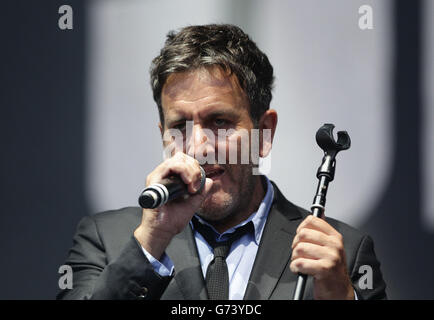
[221,248]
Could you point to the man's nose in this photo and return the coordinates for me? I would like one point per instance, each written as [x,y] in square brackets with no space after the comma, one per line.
[201,142]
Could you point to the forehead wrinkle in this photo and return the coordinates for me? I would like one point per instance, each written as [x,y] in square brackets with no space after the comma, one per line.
[212,77]
[218,108]
[185,93]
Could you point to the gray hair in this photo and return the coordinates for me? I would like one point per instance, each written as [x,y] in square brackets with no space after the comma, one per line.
[223,45]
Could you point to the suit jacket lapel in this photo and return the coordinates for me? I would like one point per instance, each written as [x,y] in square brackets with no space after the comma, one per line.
[274,251]
[188,272]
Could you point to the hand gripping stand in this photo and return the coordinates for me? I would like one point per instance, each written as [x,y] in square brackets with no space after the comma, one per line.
[325,174]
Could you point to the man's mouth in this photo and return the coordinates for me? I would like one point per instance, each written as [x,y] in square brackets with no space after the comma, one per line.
[214,173]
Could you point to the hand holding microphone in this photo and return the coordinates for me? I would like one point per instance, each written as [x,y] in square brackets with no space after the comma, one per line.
[167,190]
[164,216]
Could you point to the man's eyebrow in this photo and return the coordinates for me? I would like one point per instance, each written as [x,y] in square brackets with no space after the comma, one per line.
[222,113]
[175,116]
[175,119]
[205,114]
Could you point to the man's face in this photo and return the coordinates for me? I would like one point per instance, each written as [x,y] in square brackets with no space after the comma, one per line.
[211,99]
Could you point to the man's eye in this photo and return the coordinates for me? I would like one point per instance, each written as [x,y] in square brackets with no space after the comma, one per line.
[179,126]
[220,122]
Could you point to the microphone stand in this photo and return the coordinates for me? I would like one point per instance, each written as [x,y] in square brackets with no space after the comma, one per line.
[325,174]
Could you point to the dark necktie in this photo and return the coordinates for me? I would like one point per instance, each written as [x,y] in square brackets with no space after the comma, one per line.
[217,276]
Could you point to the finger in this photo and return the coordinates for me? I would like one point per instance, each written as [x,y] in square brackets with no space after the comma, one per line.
[169,168]
[312,251]
[187,169]
[193,171]
[318,224]
[305,266]
[312,236]
[316,268]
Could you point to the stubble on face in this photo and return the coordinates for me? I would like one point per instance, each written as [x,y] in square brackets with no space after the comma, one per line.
[220,211]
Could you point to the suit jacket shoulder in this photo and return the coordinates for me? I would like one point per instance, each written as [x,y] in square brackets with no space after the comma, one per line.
[108,262]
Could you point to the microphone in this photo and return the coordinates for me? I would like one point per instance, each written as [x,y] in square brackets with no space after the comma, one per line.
[168,189]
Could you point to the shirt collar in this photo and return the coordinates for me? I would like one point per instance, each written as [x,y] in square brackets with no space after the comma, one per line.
[258,217]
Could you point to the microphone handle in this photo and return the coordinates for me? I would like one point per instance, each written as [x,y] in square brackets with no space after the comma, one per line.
[176,187]
[160,193]
[166,190]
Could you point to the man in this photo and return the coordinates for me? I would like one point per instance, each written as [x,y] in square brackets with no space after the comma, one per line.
[214,77]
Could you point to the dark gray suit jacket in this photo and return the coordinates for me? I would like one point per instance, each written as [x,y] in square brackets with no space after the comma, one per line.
[108,262]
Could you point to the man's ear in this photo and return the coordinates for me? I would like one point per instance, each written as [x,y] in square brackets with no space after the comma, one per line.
[267,122]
